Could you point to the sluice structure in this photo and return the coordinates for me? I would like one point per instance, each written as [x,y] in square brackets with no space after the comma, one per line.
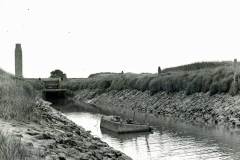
[52,86]
[52,89]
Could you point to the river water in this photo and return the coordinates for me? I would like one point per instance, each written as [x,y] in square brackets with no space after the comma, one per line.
[167,141]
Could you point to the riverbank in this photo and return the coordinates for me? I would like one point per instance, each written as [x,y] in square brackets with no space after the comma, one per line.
[56,137]
[198,108]
[31,129]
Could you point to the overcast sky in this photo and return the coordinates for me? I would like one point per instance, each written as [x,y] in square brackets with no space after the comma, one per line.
[84,37]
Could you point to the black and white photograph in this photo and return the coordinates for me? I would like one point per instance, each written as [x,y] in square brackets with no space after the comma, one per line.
[119,80]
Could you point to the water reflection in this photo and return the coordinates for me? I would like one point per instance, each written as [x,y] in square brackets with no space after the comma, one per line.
[167,142]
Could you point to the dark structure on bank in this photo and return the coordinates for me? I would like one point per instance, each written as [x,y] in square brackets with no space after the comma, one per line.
[53,89]
[52,86]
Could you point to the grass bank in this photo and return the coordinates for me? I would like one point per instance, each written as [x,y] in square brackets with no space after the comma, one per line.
[16,104]
[16,99]
[38,130]
[11,148]
[212,77]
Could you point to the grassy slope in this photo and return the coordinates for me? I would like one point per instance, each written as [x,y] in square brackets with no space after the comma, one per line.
[11,148]
[213,77]
[16,103]
[16,98]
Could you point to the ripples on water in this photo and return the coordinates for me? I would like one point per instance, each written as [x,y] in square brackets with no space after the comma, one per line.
[165,143]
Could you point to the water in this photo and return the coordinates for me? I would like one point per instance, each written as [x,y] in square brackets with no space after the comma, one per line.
[167,141]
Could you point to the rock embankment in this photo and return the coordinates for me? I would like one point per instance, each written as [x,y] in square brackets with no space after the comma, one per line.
[54,137]
[201,108]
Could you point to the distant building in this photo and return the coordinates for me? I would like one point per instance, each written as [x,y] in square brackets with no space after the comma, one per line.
[18,61]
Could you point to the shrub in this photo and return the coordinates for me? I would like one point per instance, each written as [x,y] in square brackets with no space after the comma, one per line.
[214,77]
[132,83]
[28,89]
[225,84]
[141,83]
[105,84]
[233,89]
[73,86]
[214,88]
[155,85]
[36,84]
[206,82]
[119,83]
[195,85]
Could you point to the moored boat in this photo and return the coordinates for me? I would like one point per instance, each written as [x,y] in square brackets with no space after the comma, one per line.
[116,124]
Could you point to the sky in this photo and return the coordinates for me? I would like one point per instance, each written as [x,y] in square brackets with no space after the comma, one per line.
[81,37]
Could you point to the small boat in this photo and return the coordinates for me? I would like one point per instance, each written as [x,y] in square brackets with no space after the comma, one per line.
[116,124]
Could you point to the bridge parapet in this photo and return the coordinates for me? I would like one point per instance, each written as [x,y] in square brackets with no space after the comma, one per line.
[52,83]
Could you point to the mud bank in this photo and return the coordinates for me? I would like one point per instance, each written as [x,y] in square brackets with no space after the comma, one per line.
[199,108]
[54,137]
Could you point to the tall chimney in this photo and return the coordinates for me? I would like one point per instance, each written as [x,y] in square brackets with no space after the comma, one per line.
[18,61]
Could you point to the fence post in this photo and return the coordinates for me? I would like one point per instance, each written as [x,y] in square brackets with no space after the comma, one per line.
[235,71]
[235,78]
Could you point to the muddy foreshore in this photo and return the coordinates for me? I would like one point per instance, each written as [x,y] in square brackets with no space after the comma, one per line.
[200,108]
[54,137]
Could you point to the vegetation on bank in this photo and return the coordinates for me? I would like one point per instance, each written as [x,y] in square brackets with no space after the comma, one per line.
[16,103]
[212,77]
[16,98]
[11,148]
[198,65]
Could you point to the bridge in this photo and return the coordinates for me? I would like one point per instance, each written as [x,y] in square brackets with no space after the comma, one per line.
[52,89]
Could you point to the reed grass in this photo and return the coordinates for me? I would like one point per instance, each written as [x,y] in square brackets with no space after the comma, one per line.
[11,148]
[16,98]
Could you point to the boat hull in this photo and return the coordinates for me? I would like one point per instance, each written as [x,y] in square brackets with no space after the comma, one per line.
[118,127]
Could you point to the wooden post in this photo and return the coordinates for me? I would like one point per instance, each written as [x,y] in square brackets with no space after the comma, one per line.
[235,78]
[235,71]
[159,70]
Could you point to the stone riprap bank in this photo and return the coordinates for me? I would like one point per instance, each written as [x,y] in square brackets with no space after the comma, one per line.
[201,108]
[54,137]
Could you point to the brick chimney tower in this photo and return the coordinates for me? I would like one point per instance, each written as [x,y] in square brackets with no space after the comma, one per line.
[18,61]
